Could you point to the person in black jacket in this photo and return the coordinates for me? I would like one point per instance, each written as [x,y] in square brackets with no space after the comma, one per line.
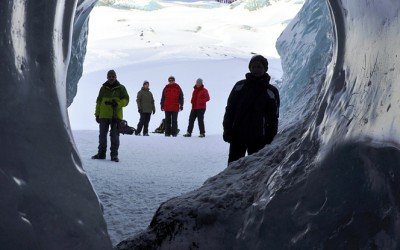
[252,112]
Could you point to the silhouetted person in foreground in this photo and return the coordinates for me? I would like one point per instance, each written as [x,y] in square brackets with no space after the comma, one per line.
[251,115]
[109,103]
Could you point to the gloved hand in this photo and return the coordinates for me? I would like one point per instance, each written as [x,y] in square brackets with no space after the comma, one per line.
[227,136]
[113,103]
[181,108]
[140,111]
[154,111]
[97,119]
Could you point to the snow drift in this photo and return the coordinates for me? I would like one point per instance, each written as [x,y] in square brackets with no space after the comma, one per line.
[331,178]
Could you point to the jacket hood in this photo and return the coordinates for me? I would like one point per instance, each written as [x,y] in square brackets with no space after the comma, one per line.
[201,87]
[145,89]
[107,84]
[264,78]
[172,85]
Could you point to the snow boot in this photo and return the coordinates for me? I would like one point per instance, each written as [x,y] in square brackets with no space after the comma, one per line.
[146,134]
[114,158]
[187,134]
[99,156]
[202,135]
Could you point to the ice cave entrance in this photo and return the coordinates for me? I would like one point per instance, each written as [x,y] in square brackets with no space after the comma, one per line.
[188,40]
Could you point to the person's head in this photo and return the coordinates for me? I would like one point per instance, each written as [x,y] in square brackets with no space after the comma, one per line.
[171,79]
[111,76]
[199,82]
[146,84]
[258,65]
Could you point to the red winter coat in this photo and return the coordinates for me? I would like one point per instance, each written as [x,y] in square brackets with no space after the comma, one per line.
[172,98]
[199,97]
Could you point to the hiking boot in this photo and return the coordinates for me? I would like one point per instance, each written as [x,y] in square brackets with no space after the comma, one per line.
[202,135]
[174,135]
[136,133]
[114,158]
[99,157]
[146,134]
[167,135]
[187,134]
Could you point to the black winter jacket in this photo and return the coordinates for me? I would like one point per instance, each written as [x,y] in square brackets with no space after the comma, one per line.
[252,112]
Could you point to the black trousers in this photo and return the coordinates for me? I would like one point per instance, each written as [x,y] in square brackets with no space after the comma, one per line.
[104,125]
[238,150]
[143,122]
[171,123]
[199,114]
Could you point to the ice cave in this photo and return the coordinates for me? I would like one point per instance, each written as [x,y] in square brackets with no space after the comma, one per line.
[333,184]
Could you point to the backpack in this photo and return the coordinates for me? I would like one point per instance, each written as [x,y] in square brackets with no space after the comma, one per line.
[161,128]
[124,128]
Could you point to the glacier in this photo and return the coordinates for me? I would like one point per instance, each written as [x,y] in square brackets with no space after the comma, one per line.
[329,180]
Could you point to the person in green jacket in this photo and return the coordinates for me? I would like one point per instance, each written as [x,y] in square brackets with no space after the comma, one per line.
[145,103]
[110,101]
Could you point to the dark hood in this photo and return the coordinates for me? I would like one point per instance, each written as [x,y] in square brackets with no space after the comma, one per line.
[107,84]
[264,78]
[143,89]
[201,87]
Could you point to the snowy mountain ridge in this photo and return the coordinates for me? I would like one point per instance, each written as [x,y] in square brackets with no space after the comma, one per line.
[151,5]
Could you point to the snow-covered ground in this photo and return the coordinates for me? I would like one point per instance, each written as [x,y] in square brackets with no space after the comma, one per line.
[187,40]
[151,170]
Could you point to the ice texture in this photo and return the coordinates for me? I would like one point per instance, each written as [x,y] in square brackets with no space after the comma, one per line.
[46,199]
[330,179]
[305,47]
[78,47]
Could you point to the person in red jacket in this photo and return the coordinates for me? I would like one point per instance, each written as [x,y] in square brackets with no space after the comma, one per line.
[199,99]
[171,103]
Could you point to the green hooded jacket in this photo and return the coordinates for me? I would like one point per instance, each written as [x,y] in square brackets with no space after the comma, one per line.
[108,93]
[145,101]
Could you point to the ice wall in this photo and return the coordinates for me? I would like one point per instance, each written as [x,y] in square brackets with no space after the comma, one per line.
[331,178]
[78,47]
[46,200]
[305,47]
